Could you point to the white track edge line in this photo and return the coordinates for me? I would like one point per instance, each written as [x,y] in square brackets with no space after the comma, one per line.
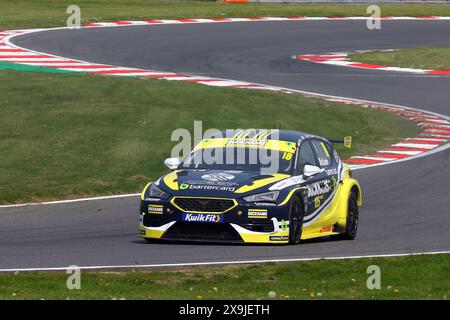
[118,196]
[219,263]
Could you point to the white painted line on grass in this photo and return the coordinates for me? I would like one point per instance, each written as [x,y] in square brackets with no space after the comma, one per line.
[220,263]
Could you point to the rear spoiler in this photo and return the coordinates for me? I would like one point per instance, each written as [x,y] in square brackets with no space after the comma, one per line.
[347,141]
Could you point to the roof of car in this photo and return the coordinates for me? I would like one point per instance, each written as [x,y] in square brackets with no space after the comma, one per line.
[273,134]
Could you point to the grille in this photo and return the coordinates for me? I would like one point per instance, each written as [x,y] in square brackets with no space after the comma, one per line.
[202,231]
[204,204]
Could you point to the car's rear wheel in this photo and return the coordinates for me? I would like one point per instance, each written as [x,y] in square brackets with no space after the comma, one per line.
[295,221]
[352,220]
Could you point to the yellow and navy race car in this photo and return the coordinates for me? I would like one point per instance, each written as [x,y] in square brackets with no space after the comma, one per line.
[227,190]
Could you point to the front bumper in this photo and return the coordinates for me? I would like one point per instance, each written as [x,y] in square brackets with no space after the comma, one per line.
[244,223]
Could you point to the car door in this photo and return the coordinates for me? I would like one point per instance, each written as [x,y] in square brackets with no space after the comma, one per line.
[307,156]
[320,187]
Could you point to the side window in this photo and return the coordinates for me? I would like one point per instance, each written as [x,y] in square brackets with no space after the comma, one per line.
[335,154]
[305,156]
[323,154]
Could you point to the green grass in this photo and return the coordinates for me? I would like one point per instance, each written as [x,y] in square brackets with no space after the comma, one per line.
[44,13]
[66,136]
[436,58]
[414,277]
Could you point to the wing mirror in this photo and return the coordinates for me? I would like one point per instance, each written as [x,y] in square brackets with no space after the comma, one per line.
[309,170]
[172,163]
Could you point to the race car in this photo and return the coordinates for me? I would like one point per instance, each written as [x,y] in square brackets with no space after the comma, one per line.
[227,190]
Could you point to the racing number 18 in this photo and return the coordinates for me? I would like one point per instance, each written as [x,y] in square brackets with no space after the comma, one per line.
[287,156]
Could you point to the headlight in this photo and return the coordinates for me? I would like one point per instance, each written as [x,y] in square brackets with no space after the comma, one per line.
[263,197]
[155,192]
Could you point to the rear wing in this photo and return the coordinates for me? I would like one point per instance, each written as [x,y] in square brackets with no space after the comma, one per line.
[347,141]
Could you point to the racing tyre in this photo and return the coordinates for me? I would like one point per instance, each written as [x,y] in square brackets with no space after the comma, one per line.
[352,220]
[295,221]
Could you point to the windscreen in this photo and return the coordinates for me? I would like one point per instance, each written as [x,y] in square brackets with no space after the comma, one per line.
[275,157]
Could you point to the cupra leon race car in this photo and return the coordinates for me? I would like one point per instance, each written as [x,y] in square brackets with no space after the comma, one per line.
[309,194]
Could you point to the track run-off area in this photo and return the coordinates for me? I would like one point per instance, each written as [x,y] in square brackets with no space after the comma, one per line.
[406,204]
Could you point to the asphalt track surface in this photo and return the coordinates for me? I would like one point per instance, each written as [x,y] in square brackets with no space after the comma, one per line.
[406,205]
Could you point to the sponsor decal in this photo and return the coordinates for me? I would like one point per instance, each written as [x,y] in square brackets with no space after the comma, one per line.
[265,204]
[335,182]
[280,225]
[295,180]
[331,172]
[155,209]
[318,188]
[206,187]
[318,201]
[218,176]
[278,238]
[323,161]
[326,229]
[246,142]
[184,186]
[283,225]
[212,183]
[153,199]
[257,214]
[204,218]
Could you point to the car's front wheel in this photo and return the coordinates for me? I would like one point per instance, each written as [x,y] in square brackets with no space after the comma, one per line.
[295,221]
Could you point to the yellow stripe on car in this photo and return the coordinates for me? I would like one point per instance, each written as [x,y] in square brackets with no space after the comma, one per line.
[262,182]
[145,189]
[171,180]
[238,132]
[325,149]
[244,134]
[277,145]
[260,134]
[265,136]
[286,200]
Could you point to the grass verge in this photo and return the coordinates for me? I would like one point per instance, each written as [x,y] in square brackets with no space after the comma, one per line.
[44,13]
[413,277]
[435,58]
[67,136]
